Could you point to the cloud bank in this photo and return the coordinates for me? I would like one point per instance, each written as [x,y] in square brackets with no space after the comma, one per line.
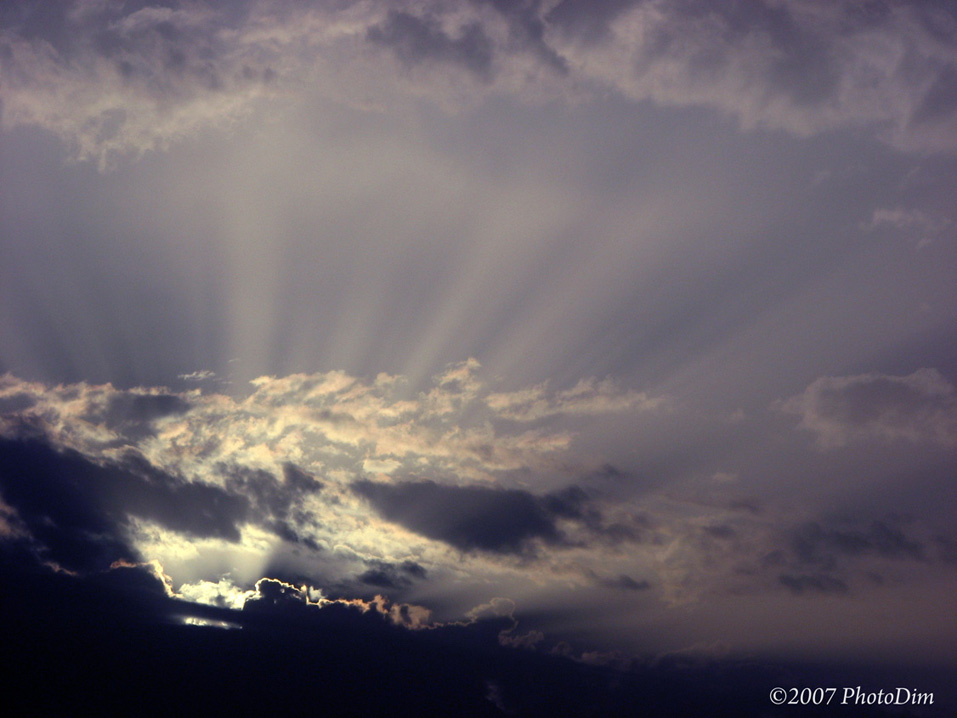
[113,79]
[359,488]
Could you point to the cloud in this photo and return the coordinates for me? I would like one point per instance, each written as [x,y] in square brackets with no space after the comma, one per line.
[917,408]
[77,510]
[288,649]
[132,415]
[200,375]
[416,39]
[473,517]
[315,480]
[275,505]
[908,219]
[112,80]
[55,501]
[924,227]
[587,398]
[383,574]
[219,487]
[814,544]
[794,66]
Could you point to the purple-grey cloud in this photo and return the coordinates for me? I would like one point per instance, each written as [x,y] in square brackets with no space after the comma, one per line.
[920,408]
[152,76]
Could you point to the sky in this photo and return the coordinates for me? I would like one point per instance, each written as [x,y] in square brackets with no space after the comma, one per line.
[606,346]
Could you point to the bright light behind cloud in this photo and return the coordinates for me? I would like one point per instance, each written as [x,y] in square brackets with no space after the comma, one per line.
[357,486]
[601,329]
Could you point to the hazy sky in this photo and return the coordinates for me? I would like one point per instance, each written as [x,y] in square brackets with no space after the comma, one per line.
[635,321]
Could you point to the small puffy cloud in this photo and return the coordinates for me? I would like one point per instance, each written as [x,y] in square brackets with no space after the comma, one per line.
[223,593]
[918,408]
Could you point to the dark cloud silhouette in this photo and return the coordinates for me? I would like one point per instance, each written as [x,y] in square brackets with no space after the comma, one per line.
[818,558]
[475,517]
[55,499]
[383,574]
[300,481]
[77,510]
[114,635]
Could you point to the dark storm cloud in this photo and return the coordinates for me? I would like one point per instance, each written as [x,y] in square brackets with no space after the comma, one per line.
[815,544]
[267,494]
[416,39]
[273,503]
[57,503]
[383,574]
[113,635]
[77,510]
[821,557]
[476,517]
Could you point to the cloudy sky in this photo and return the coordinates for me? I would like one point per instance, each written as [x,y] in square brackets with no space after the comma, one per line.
[623,328]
